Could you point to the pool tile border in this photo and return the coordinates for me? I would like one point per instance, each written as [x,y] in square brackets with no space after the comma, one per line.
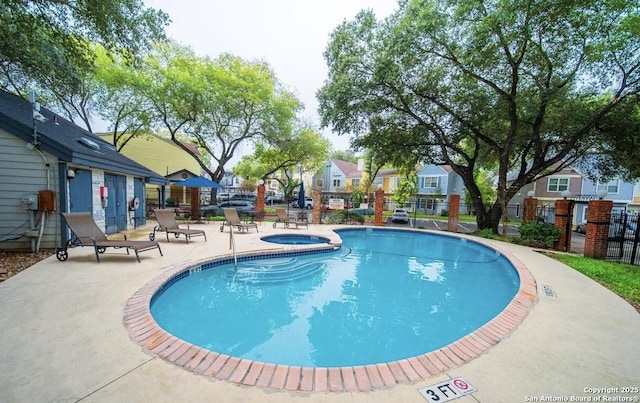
[143,330]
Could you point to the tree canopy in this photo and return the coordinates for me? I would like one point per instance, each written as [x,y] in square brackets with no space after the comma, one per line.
[522,84]
[280,159]
[52,42]
[218,103]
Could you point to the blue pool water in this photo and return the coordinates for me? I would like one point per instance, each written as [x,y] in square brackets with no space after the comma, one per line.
[384,296]
[295,239]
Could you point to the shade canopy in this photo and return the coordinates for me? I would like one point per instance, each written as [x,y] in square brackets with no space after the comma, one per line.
[301,199]
[198,182]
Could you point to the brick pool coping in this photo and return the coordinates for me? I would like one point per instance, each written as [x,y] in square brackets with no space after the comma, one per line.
[144,330]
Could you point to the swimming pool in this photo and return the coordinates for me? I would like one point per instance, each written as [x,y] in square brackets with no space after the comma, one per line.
[295,239]
[384,296]
[156,341]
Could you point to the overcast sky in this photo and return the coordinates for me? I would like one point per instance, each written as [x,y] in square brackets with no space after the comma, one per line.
[290,35]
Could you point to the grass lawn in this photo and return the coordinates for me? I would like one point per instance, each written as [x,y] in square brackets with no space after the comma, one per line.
[623,279]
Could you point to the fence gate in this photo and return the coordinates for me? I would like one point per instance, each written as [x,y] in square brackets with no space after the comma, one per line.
[623,238]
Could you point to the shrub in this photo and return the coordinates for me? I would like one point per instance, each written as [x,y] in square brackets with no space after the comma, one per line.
[172,202]
[540,234]
[341,217]
[486,233]
[444,213]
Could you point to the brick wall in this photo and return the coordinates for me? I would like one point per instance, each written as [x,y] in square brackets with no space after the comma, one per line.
[596,238]
[379,206]
[564,218]
[454,211]
[530,205]
[316,216]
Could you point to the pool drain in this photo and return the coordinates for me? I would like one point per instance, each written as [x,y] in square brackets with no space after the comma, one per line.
[548,291]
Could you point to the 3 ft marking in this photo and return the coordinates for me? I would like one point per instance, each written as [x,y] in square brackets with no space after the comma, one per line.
[447,391]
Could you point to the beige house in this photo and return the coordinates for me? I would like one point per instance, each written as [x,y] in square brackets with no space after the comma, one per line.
[165,158]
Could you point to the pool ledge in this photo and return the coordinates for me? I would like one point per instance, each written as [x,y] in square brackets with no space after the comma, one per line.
[144,331]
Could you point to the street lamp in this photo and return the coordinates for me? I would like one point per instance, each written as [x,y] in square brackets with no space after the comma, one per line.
[601,193]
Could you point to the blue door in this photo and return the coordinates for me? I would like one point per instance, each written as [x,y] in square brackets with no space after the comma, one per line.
[115,213]
[80,195]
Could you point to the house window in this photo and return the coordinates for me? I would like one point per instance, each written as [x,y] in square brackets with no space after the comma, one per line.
[430,182]
[355,182]
[376,182]
[319,183]
[336,183]
[611,187]
[558,184]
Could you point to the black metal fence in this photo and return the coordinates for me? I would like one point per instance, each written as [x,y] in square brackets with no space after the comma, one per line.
[623,238]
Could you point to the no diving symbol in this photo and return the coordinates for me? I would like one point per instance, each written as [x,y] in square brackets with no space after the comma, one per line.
[460,384]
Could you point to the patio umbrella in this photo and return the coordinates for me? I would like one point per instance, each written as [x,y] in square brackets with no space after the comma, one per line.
[301,198]
[197,182]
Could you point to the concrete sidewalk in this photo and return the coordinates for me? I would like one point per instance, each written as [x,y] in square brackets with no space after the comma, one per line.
[63,337]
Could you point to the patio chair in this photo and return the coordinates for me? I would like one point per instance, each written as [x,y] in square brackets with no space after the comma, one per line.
[167,223]
[231,214]
[87,233]
[287,221]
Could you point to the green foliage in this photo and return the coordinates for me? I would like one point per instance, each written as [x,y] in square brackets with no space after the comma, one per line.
[407,186]
[51,42]
[357,196]
[540,234]
[498,85]
[623,279]
[172,202]
[344,216]
[487,233]
[218,104]
[302,146]
[344,155]
[619,135]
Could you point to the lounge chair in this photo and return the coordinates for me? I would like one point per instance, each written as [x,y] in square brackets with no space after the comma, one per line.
[87,233]
[287,221]
[233,220]
[167,223]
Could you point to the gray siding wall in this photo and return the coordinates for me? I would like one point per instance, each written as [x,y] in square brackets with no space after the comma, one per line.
[24,171]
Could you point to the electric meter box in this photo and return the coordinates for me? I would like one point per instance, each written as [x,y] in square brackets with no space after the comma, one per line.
[47,200]
[29,201]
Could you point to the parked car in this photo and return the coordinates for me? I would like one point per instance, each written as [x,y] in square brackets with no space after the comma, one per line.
[244,196]
[242,206]
[274,198]
[400,215]
[223,196]
[308,203]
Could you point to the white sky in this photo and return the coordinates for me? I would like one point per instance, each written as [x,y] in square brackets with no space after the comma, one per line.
[290,35]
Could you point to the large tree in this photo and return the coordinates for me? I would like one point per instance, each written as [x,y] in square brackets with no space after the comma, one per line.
[218,104]
[520,83]
[281,158]
[51,43]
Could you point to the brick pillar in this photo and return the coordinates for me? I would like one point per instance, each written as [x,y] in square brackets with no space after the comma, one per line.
[195,204]
[454,211]
[597,236]
[260,203]
[564,221]
[316,216]
[530,205]
[378,207]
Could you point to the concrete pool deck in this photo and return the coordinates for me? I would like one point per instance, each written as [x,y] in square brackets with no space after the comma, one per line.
[63,337]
